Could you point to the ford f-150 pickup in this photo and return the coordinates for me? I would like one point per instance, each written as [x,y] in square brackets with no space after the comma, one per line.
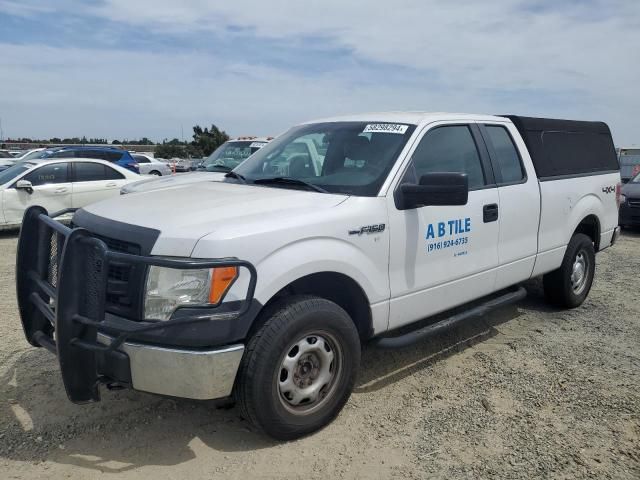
[266,292]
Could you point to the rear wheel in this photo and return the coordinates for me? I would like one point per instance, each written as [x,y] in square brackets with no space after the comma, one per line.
[569,285]
[299,369]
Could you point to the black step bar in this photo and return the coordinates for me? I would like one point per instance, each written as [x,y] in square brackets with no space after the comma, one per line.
[416,336]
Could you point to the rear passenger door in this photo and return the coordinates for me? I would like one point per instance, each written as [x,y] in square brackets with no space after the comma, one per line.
[519,203]
[442,256]
[94,181]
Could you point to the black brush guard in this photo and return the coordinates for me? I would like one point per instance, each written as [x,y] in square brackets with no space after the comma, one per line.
[61,280]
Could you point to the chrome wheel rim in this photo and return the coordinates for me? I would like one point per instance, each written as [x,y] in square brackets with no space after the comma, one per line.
[308,372]
[579,273]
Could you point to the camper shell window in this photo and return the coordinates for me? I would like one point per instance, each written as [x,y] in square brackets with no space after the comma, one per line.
[564,148]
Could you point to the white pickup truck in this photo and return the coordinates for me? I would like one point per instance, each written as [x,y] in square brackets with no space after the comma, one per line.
[266,291]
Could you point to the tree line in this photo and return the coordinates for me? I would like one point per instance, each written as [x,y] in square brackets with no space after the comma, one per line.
[204,142]
[79,140]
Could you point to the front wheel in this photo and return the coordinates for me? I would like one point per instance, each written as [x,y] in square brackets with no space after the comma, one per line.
[155,172]
[569,285]
[299,369]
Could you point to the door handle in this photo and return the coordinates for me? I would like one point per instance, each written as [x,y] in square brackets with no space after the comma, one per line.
[490,213]
[61,190]
[111,184]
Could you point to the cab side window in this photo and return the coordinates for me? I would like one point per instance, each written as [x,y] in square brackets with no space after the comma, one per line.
[448,149]
[47,174]
[505,153]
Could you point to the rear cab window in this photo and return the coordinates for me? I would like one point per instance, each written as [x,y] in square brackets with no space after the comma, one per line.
[507,163]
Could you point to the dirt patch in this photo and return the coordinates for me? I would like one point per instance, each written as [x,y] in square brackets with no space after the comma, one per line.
[528,392]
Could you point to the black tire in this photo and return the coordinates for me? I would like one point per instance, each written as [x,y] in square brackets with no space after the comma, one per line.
[259,392]
[559,289]
[155,172]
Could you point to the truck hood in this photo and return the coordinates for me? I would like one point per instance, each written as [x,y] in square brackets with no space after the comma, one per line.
[186,213]
[154,183]
[631,190]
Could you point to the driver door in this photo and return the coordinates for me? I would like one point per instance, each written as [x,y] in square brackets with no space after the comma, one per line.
[443,256]
[51,190]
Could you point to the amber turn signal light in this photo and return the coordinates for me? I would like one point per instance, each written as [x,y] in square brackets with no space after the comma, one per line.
[221,280]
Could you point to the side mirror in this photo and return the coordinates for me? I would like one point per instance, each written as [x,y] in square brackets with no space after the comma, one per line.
[434,189]
[24,185]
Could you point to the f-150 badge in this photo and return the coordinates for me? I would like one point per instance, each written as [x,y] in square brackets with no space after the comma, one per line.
[368,229]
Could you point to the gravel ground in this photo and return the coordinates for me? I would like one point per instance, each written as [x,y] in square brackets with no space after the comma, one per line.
[528,392]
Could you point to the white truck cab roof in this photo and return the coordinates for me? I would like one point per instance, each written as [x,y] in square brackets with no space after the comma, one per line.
[414,118]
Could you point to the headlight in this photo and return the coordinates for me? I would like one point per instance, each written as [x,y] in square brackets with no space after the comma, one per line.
[623,199]
[170,288]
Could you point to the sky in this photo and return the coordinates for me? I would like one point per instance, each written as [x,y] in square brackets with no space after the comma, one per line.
[154,68]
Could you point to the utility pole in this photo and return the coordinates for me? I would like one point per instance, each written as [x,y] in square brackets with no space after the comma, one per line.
[1,131]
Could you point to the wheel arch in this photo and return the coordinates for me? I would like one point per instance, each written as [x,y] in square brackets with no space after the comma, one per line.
[330,285]
[590,226]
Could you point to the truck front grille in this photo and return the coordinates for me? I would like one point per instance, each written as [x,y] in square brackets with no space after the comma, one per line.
[125,282]
[634,202]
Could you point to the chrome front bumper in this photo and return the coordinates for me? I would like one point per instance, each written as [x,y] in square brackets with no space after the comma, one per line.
[197,374]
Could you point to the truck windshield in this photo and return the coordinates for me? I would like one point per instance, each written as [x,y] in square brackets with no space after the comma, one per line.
[231,154]
[351,158]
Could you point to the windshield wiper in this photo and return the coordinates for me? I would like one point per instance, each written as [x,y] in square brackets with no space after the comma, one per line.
[221,168]
[233,174]
[289,181]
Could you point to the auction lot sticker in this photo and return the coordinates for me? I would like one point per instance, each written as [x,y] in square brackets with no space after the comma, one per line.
[386,128]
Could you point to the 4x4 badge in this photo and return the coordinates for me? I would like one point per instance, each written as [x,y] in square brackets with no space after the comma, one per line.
[368,229]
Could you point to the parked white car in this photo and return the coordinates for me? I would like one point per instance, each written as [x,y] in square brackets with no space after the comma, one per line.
[232,153]
[213,168]
[30,154]
[57,185]
[152,166]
